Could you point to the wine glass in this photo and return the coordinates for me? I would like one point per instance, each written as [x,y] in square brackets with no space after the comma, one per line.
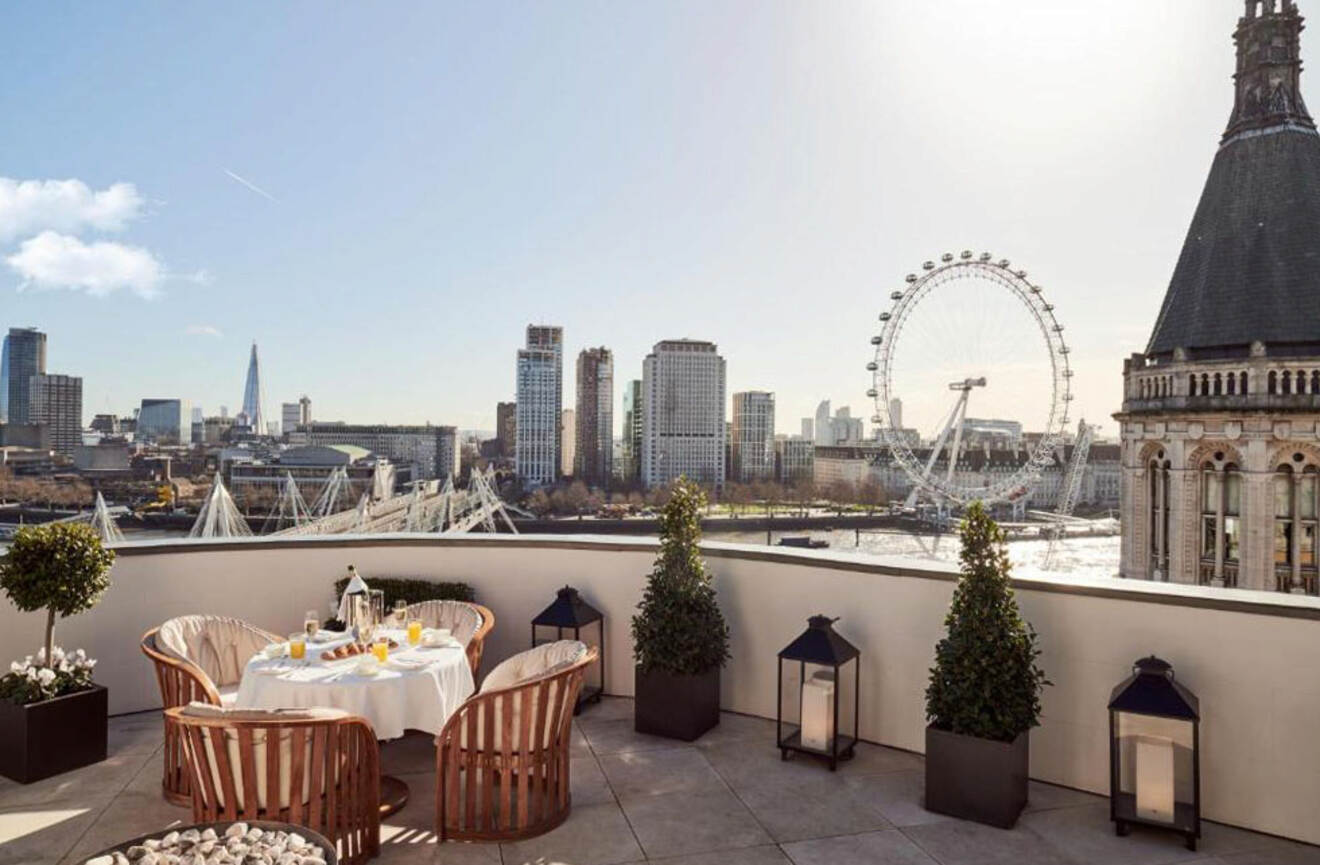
[311,624]
[400,614]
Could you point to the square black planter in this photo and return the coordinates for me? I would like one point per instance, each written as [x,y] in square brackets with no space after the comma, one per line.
[678,707]
[977,779]
[54,736]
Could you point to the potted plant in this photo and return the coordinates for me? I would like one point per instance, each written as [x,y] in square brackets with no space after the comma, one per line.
[984,692]
[680,638]
[52,717]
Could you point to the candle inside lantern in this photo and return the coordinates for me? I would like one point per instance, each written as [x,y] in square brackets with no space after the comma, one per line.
[1154,770]
[818,711]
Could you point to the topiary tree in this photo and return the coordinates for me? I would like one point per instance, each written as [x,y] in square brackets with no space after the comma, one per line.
[61,568]
[985,681]
[679,628]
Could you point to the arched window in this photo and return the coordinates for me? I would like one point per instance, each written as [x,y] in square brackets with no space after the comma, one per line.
[1191,385]
[1315,381]
[1273,386]
[1301,381]
[1286,383]
[1159,518]
[1205,384]
[1284,499]
[1221,522]
[1232,383]
[1242,382]
[1219,384]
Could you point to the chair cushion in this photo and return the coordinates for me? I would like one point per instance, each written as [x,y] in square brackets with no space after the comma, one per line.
[259,742]
[538,661]
[218,645]
[462,619]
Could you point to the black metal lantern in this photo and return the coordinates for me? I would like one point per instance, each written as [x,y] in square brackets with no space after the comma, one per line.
[1154,752]
[818,705]
[566,619]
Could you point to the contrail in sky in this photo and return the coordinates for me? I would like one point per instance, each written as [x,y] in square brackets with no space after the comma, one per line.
[250,185]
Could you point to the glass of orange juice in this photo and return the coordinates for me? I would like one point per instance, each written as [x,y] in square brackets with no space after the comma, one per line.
[414,632]
[381,649]
[297,646]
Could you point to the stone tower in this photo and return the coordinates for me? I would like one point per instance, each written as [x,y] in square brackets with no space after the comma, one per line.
[1221,448]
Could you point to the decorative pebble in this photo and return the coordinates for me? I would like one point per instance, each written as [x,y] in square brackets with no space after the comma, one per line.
[241,844]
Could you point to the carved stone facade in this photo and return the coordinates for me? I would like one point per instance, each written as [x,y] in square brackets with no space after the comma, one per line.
[1221,413]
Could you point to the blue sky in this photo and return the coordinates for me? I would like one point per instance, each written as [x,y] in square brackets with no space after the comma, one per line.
[436,176]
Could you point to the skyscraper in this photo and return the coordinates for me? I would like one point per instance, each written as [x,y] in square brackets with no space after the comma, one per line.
[824,424]
[752,444]
[593,455]
[1220,409]
[290,412]
[304,410]
[25,353]
[252,396]
[164,421]
[540,384]
[683,430]
[506,427]
[56,403]
[632,430]
[568,435]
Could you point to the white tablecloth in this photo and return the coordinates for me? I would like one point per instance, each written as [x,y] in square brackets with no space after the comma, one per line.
[393,700]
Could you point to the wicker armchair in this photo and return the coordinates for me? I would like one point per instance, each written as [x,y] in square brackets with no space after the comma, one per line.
[323,774]
[502,760]
[191,667]
[469,624]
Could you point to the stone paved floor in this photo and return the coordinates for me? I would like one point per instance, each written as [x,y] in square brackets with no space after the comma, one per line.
[726,800]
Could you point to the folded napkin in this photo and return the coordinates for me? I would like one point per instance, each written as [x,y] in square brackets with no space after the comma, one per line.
[275,650]
[407,664]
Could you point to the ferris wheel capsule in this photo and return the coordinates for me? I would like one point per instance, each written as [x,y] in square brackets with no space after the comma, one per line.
[911,277]
[965,254]
[895,295]
[985,256]
[872,366]
[877,420]
[1020,274]
[885,316]
[1004,262]
[871,392]
[876,340]
[1048,307]
[1036,289]
[928,265]
[946,257]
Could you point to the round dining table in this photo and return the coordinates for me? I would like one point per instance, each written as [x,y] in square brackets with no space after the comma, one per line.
[417,688]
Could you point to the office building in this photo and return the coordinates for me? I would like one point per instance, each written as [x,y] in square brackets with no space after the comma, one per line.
[506,428]
[568,435]
[593,453]
[432,452]
[683,430]
[23,356]
[56,403]
[808,429]
[538,447]
[752,437]
[290,417]
[164,422]
[632,432]
[795,458]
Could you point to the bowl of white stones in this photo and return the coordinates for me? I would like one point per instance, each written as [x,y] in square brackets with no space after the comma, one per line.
[254,842]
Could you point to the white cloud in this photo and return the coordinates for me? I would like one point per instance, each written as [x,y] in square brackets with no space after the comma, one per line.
[54,260]
[203,330]
[29,206]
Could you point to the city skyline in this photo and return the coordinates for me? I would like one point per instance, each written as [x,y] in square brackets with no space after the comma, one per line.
[794,240]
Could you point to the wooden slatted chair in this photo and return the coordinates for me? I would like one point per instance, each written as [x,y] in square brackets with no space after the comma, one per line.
[197,658]
[468,623]
[323,773]
[503,757]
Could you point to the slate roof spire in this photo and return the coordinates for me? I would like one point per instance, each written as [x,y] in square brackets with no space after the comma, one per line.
[1269,68]
[1249,271]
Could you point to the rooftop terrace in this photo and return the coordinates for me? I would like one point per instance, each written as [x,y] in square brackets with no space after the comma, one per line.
[728,799]
[725,800]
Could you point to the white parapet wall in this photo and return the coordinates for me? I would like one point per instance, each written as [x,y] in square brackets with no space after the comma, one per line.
[1246,654]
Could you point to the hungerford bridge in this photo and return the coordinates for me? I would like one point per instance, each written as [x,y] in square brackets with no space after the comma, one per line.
[429,507]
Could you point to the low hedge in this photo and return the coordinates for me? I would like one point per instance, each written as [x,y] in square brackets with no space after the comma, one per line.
[412,591]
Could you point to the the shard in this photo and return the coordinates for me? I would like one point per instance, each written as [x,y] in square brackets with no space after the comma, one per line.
[252,395]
